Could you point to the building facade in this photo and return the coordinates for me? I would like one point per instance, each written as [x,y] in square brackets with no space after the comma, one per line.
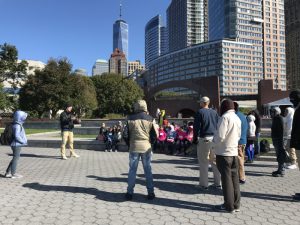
[257,22]
[187,23]
[120,36]
[233,62]
[135,66]
[100,66]
[118,63]
[155,39]
[292,21]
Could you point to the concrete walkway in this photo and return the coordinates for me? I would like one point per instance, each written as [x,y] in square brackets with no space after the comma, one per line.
[90,190]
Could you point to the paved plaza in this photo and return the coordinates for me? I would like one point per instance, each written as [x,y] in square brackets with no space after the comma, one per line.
[90,190]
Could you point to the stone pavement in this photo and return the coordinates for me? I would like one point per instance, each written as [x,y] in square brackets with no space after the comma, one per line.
[90,190]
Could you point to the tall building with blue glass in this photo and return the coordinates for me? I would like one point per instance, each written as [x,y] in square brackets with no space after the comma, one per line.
[155,39]
[120,36]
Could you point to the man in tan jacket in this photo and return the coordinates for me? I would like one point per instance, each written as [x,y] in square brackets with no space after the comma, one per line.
[139,133]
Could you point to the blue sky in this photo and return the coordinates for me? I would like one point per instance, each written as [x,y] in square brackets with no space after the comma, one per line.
[80,30]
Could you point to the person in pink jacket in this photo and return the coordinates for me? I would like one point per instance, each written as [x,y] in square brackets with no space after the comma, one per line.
[162,136]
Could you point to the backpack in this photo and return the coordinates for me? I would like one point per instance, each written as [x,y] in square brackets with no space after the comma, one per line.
[7,136]
[264,145]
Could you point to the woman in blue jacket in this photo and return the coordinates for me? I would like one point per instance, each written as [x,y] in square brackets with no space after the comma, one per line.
[19,140]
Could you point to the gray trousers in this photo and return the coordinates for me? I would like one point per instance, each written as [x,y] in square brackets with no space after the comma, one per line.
[228,167]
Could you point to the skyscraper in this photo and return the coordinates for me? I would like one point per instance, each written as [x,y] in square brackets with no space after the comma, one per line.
[292,22]
[187,23]
[155,39]
[120,35]
[258,23]
[100,66]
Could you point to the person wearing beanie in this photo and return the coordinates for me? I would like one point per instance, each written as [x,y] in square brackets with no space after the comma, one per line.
[226,141]
[139,133]
[67,126]
[204,127]
[295,134]
[242,143]
[277,139]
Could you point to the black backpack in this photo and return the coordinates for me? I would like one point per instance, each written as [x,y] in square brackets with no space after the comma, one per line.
[7,136]
[264,145]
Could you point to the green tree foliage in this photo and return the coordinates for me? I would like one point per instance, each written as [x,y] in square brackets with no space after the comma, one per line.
[11,70]
[55,86]
[115,94]
[3,99]
[83,95]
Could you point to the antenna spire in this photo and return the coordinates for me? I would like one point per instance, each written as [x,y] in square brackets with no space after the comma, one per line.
[120,9]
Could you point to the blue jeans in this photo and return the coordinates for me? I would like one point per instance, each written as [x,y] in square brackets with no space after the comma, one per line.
[12,167]
[133,165]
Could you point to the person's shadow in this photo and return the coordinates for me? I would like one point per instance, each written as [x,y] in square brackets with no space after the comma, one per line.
[120,197]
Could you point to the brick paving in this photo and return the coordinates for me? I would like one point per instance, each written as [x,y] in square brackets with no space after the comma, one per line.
[90,190]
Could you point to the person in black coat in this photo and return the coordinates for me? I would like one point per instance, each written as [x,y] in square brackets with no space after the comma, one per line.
[277,139]
[295,136]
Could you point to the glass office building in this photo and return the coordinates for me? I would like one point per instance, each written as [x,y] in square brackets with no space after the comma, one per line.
[187,23]
[155,39]
[120,36]
[100,66]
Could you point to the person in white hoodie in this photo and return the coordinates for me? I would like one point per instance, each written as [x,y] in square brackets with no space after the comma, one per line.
[288,123]
[250,138]
[226,140]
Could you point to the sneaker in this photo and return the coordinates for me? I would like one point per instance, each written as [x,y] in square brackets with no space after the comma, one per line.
[151,196]
[7,175]
[74,155]
[128,196]
[242,181]
[105,150]
[110,150]
[223,209]
[297,194]
[292,167]
[296,197]
[16,176]
[64,157]
[278,174]
[116,150]
[237,210]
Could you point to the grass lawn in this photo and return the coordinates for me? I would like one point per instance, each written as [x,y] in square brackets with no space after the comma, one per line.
[34,131]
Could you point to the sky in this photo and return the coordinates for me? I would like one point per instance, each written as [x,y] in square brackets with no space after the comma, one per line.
[80,30]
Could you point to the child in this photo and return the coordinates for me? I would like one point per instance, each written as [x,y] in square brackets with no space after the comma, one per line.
[181,139]
[171,136]
[102,133]
[250,138]
[109,139]
[19,140]
[161,139]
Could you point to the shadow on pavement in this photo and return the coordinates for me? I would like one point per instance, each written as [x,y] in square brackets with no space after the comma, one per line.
[184,188]
[258,174]
[180,161]
[120,197]
[38,156]
[171,177]
[260,165]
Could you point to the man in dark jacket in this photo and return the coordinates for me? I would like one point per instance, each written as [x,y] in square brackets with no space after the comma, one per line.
[277,139]
[67,125]
[205,125]
[138,133]
[295,136]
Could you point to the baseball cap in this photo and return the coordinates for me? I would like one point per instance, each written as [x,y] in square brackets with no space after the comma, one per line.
[204,99]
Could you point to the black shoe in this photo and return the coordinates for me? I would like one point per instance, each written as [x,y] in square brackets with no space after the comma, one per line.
[242,181]
[297,194]
[296,197]
[278,174]
[151,196]
[128,196]
[223,209]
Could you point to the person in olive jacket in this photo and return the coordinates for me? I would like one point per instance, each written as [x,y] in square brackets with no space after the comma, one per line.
[67,125]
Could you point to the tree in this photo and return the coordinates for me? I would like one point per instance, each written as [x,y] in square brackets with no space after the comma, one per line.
[115,94]
[12,71]
[83,95]
[49,89]
[3,100]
